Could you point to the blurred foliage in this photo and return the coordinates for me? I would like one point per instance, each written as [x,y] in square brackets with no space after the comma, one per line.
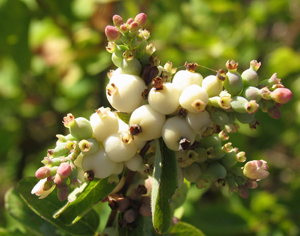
[53,61]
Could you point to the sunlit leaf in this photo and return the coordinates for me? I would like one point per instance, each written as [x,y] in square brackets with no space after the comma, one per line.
[96,191]
[184,229]
[163,186]
[47,206]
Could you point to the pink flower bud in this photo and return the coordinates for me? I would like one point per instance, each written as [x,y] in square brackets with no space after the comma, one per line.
[282,95]
[118,20]
[129,21]
[43,172]
[112,33]
[58,179]
[133,27]
[64,170]
[256,169]
[141,19]
[63,192]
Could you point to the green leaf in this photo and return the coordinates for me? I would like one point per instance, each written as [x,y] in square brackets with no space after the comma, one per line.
[163,187]
[45,208]
[184,229]
[77,207]
[5,232]
[18,209]
[124,116]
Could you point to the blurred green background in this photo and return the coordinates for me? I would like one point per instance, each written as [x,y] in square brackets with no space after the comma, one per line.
[53,61]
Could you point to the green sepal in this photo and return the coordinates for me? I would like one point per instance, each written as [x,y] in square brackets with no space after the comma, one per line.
[164,185]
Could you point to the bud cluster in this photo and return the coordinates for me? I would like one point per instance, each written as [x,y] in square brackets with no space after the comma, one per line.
[193,115]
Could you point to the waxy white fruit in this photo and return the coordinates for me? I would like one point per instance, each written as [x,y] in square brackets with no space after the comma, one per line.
[194,98]
[99,163]
[212,85]
[199,121]
[164,100]
[176,132]
[149,121]
[124,92]
[104,123]
[185,78]
[120,147]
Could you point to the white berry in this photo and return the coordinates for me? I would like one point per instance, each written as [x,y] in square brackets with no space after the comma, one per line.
[194,98]
[120,147]
[99,163]
[185,78]
[164,100]
[104,123]
[176,132]
[199,121]
[149,121]
[124,92]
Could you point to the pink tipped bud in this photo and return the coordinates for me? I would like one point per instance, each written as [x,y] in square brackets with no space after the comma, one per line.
[124,28]
[43,172]
[58,179]
[282,95]
[274,112]
[141,19]
[63,192]
[243,191]
[129,21]
[118,20]
[256,169]
[112,33]
[64,170]
[133,27]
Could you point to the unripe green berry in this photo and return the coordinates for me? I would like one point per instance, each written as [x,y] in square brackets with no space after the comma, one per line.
[194,98]
[229,160]
[249,76]
[233,82]
[131,67]
[192,173]
[221,118]
[211,141]
[185,78]
[148,121]
[164,100]
[177,134]
[88,146]
[216,171]
[252,93]
[79,128]
[242,105]
[245,118]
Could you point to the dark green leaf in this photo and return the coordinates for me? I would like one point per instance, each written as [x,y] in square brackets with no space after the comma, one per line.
[46,207]
[18,209]
[4,232]
[184,229]
[163,187]
[77,207]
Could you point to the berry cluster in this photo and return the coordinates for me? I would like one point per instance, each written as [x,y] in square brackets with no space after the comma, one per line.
[193,115]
